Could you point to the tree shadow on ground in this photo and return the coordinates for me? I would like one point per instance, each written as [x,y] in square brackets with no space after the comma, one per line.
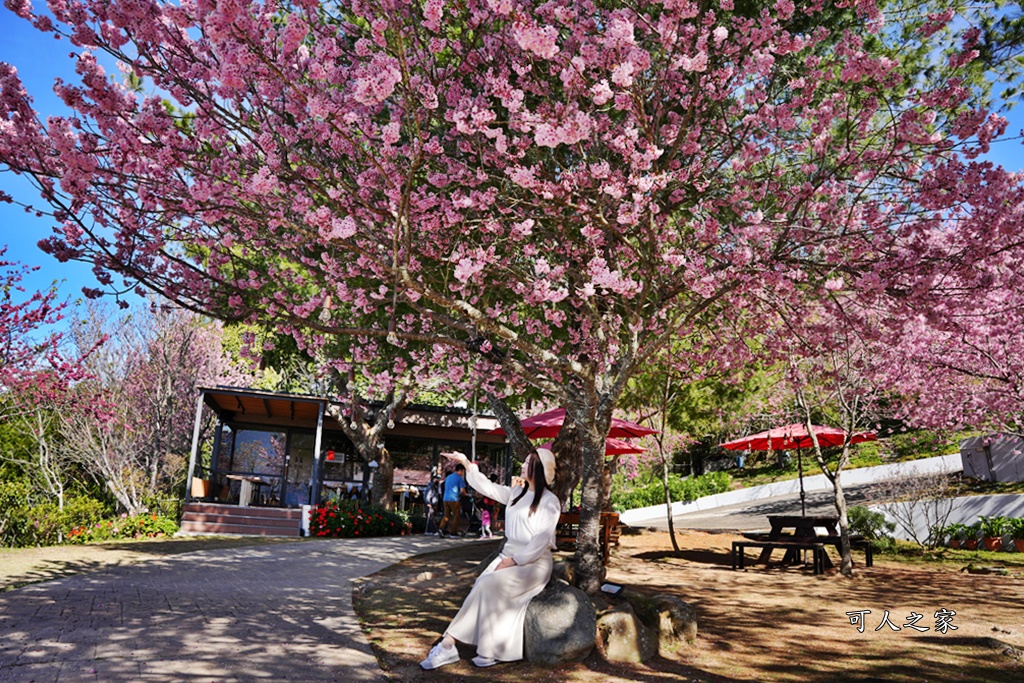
[188,544]
[407,607]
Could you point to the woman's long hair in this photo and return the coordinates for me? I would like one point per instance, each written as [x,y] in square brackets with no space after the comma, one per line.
[540,482]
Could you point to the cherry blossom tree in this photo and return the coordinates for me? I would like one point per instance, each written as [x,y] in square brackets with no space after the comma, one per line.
[841,386]
[146,379]
[969,368]
[32,362]
[37,376]
[556,189]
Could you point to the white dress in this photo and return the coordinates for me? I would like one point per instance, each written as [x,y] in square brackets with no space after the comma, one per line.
[494,611]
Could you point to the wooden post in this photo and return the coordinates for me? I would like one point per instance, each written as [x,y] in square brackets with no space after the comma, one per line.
[195,446]
[314,484]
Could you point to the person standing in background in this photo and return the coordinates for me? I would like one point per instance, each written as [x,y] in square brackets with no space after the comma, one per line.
[454,489]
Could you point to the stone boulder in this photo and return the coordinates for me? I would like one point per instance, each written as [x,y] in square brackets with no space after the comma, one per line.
[564,570]
[623,637]
[677,619]
[560,625]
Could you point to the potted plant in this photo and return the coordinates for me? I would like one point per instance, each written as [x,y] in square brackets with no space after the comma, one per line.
[955,533]
[992,530]
[971,536]
[1017,533]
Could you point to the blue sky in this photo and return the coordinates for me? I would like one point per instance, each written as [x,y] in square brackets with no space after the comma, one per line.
[39,59]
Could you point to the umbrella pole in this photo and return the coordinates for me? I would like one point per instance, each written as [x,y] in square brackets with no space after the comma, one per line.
[800,472]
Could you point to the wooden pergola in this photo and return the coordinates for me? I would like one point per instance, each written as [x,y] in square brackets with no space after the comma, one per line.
[297,415]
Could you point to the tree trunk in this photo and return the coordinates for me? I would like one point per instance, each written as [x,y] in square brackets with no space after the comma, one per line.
[589,560]
[594,418]
[846,568]
[568,450]
[368,438]
[514,433]
[382,493]
[668,499]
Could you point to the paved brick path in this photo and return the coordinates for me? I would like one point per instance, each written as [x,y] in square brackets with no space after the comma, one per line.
[274,613]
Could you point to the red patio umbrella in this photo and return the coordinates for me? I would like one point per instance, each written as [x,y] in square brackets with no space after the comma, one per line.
[612,447]
[547,425]
[796,436]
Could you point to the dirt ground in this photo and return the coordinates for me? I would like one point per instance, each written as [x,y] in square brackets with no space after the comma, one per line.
[762,624]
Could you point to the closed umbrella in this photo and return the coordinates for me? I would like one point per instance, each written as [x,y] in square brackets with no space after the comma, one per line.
[796,436]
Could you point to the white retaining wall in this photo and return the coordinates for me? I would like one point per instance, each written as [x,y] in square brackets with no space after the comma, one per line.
[819,482]
[966,510]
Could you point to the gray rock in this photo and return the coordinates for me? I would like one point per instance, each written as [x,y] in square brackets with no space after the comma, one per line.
[623,637]
[560,625]
[677,619]
[564,570]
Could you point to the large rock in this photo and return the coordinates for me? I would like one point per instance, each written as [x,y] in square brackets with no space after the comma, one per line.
[677,619]
[564,570]
[560,625]
[623,637]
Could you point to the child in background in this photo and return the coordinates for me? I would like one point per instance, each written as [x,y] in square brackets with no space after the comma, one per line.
[486,512]
[486,506]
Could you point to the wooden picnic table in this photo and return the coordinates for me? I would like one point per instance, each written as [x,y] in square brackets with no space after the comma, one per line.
[804,528]
[569,524]
[798,531]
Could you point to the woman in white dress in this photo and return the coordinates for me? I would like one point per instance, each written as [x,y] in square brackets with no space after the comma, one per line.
[494,611]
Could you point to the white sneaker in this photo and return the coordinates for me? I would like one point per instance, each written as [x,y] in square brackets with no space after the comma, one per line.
[439,656]
[484,661]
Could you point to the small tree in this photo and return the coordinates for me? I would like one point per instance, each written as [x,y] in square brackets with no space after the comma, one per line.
[921,505]
[136,441]
[838,385]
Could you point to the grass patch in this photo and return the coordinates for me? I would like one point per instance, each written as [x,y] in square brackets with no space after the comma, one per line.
[912,554]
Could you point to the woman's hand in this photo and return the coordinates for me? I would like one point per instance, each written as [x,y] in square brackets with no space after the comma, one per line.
[505,564]
[457,457]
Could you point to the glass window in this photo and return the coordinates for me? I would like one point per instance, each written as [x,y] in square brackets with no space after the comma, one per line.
[258,452]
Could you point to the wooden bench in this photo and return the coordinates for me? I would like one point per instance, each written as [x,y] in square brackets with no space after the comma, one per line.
[817,549]
[857,542]
[569,526]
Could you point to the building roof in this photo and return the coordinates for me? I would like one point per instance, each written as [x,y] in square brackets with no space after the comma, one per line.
[241,405]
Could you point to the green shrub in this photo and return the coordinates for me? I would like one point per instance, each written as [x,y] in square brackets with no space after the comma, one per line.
[145,525]
[51,526]
[872,526]
[348,519]
[15,523]
[681,490]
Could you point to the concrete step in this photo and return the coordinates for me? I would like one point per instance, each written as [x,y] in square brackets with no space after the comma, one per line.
[212,518]
[251,511]
[191,527]
[252,520]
